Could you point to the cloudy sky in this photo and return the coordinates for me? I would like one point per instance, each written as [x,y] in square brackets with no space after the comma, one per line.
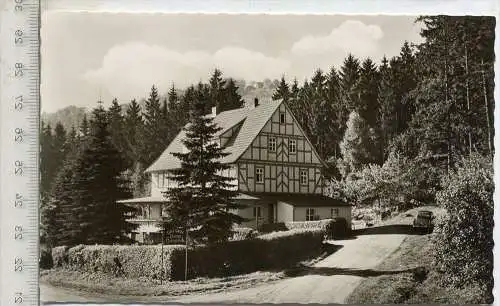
[86,55]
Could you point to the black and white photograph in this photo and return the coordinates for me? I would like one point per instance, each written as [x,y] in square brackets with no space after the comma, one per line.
[266,158]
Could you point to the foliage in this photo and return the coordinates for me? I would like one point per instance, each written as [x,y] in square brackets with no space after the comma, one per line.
[203,199]
[243,233]
[464,240]
[120,260]
[272,251]
[358,145]
[82,206]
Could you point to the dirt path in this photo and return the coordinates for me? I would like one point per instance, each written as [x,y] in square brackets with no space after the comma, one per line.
[330,281]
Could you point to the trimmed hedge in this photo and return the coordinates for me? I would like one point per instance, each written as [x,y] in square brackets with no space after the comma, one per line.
[327,226]
[120,260]
[272,251]
[243,233]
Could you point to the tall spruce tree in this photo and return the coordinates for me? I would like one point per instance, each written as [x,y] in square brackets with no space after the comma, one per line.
[232,98]
[83,207]
[216,91]
[283,91]
[349,75]
[152,146]
[133,124]
[203,201]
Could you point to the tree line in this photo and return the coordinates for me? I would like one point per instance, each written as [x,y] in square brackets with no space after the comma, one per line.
[412,116]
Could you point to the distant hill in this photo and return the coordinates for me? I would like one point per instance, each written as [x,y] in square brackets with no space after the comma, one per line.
[71,116]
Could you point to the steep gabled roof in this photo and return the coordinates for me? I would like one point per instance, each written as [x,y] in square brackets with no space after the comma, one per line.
[253,118]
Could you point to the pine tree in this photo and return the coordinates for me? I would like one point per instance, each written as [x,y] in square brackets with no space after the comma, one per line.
[47,162]
[283,91]
[216,91]
[133,131]
[83,207]
[203,199]
[232,98]
[349,75]
[152,145]
[84,126]
[116,127]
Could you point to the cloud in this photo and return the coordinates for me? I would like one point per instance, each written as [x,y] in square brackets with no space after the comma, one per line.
[128,70]
[352,36]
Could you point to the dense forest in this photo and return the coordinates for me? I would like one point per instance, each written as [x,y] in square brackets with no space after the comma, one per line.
[391,130]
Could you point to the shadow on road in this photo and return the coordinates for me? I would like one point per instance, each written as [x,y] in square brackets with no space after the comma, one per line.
[387,229]
[327,271]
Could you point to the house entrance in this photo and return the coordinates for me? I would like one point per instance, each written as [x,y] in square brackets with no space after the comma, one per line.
[271,213]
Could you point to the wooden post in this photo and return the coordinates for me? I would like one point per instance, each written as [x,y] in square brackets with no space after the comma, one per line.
[186,257]
[485,93]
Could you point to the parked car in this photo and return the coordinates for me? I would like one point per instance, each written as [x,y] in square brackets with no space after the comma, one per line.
[424,221]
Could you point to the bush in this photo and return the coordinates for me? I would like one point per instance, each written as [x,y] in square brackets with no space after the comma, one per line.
[121,260]
[327,226]
[243,233]
[60,256]
[273,227]
[272,251]
[464,236]
[339,228]
[45,260]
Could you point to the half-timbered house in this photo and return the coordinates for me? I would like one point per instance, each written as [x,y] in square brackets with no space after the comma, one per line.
[274,167]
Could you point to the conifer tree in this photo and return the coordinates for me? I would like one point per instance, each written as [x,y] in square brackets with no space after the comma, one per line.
[133,131]
[152,146]
[216,91]
[83,207]
[232,98]
[203,200]
[349,74]
[84,126]
[283,91]
[116,126]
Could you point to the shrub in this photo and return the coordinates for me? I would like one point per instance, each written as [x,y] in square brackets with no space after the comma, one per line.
[121,260]
[272,251]
[273,227]
[45,260]
[338,228]
[327,226]
[464,237]
[60,256]
[243,233]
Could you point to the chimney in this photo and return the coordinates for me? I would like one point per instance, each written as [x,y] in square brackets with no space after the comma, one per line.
[256,102]
[214,111]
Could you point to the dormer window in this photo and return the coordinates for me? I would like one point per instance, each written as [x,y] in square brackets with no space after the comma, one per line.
[282,118]
[272,144]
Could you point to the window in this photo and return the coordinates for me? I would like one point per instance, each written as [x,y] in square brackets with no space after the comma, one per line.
[257,213]
[292,146]
[303,176]
[282,118]
[272,144]
[162,180]
[335,212]
[259,175]
[310,214]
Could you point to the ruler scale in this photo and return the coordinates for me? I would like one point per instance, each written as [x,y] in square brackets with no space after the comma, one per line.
[19,155]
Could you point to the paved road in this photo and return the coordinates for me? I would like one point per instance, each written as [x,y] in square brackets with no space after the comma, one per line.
[330,281]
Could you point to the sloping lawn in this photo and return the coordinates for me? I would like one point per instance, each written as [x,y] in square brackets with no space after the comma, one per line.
[106,284]
[423,287]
